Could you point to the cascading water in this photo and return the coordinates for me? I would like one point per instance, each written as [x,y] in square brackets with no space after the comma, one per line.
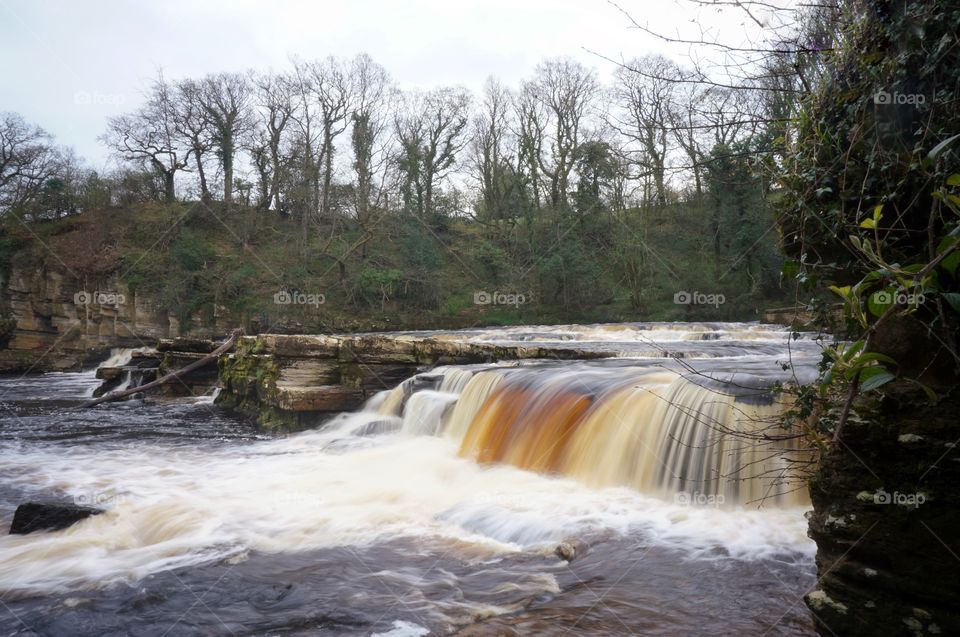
[438,505]
[648,428]
[121,356]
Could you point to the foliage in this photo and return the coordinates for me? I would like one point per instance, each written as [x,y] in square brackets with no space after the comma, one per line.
[871,208]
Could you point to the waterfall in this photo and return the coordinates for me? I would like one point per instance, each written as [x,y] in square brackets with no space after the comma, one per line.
[125,383]
[455,379]
[647,428]
[473,396]
[121,356]
[423,413]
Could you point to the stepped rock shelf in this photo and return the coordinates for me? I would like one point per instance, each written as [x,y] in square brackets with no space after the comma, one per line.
[294,381]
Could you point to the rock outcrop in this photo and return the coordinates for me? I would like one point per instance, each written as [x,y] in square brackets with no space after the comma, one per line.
[886,520]
[53,321]
[294,381]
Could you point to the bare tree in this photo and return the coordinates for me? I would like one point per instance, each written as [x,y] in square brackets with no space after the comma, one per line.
[531,118]
[225,99]
[431,128]
[688,125]
[330,87]
[275,106]
[373,93]
[491,160]
[27,160]
[565,89]
[644,102]
[193,125]
[306,118]
[150,136]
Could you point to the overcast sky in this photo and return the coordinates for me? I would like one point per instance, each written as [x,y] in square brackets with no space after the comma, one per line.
[69,64]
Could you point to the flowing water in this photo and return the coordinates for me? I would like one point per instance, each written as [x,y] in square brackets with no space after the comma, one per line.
[434,510]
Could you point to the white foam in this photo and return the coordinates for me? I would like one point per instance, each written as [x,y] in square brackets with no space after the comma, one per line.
[404,629]
[171,508]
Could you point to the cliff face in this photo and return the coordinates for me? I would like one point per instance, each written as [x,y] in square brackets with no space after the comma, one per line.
[886,520]
[54,321]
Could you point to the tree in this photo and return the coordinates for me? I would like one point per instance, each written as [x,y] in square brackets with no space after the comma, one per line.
[330,87]
[688,125]
[27,160]
[531,120]
[305,189]
[275,106]
[193,126]
[225,99]
[596,168]
[149,136]
[491,161]
[565,90]
[643,103]
[431,130]
[373,93]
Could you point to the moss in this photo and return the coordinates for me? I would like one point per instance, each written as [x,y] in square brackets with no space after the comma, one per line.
[250,383]
[278,420]
[351,374]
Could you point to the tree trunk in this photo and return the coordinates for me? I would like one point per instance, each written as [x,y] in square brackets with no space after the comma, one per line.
[225,347]
[169,186]
[204,190]
[228,172]
[327,177]
[275,178]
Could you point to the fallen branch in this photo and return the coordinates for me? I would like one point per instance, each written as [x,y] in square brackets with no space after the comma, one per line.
[224,348]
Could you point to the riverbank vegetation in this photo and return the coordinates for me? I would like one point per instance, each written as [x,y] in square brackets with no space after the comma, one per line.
[562,199]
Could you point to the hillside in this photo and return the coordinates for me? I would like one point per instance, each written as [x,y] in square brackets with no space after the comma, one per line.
[209,269]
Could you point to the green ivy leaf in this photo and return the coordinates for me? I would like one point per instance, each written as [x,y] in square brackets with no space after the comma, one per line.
[873,377]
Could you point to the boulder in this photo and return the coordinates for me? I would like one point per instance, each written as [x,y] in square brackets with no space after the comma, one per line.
[570,549]
[38,516]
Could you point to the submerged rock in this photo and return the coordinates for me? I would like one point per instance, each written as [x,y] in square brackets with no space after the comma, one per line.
[37,516]
[570,549]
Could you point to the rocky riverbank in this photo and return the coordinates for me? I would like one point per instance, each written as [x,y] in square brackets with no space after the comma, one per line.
[293,381]
[53,321]
[886,520]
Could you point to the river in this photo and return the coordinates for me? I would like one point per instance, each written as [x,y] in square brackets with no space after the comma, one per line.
[435,510]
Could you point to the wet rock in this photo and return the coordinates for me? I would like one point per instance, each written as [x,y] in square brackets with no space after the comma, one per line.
[37,516]
[239,558]
[326,398]
[886,512]
[819,601]
[109,373]
[289,380]
[379,427]
[570,549]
